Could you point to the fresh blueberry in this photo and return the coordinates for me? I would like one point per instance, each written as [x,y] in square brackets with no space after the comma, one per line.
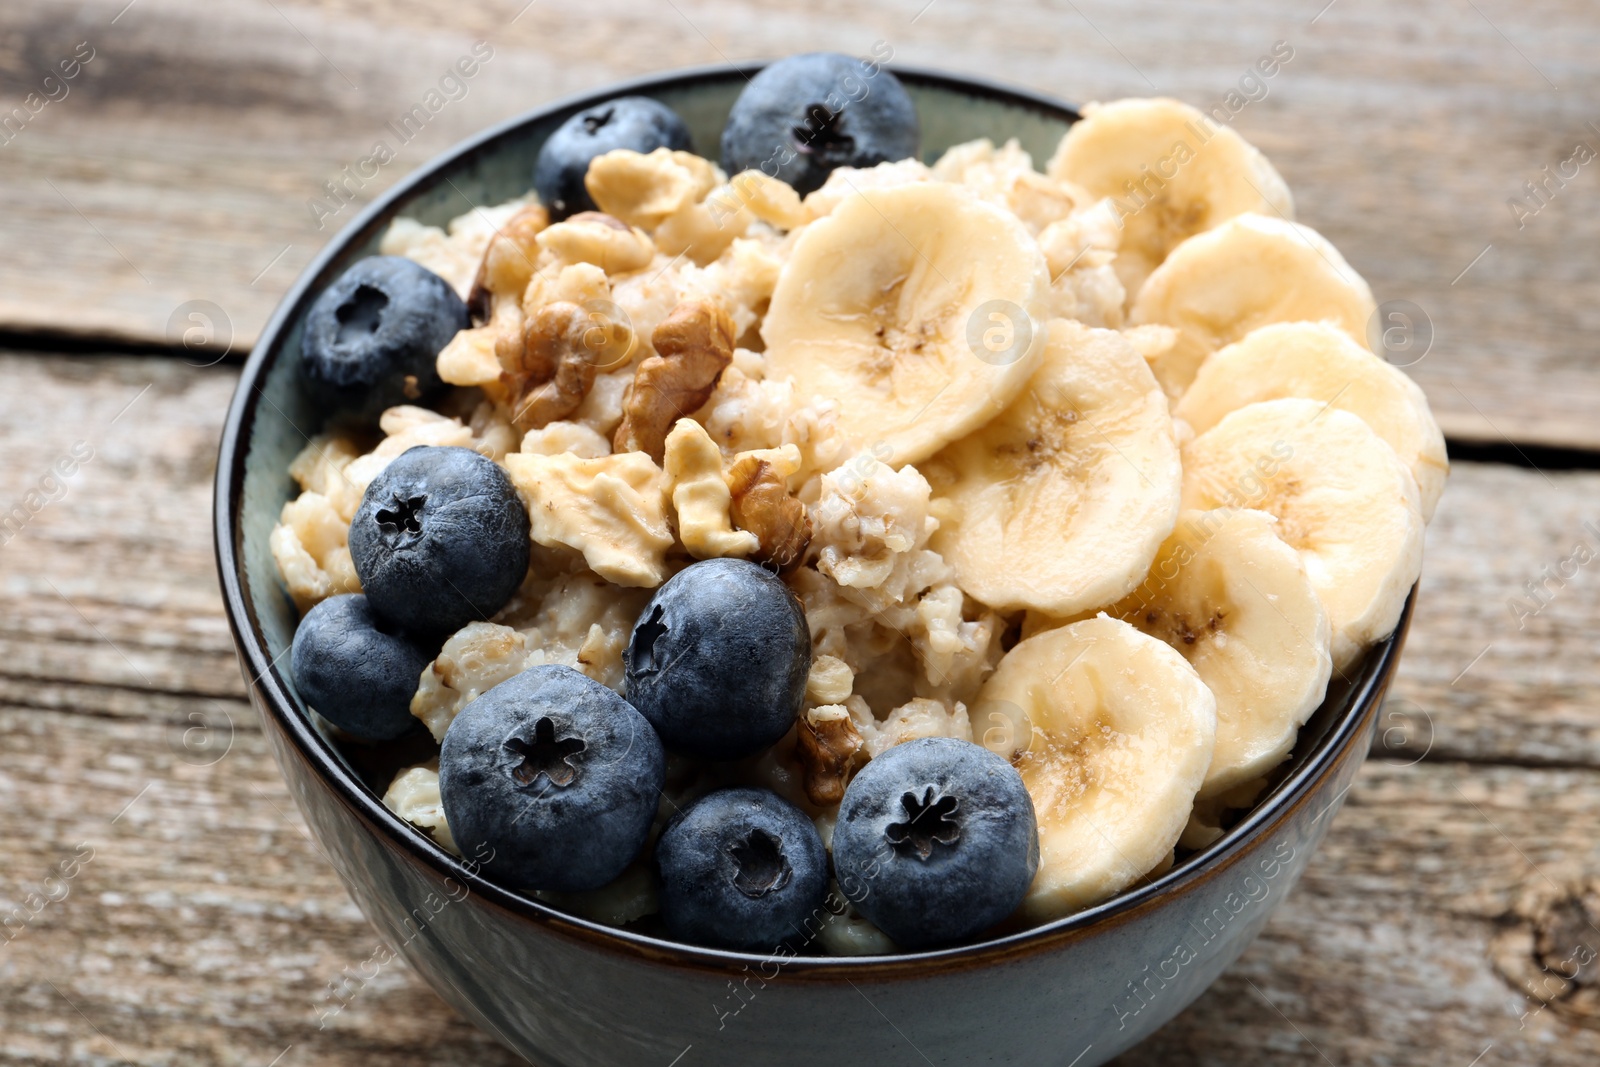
[741,869]
[718,660]
[354,671]
[635,122]
[554,773]
[805,115]
[936,841]
[440,539]
[372,337]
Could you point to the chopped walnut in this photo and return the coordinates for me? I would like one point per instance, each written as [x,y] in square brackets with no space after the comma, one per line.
[700,495]
[693,345]
[557,366]
[763,505]
[594,237]
[826,746]
[509,261]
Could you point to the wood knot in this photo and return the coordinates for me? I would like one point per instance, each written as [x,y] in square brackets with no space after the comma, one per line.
[1549,950]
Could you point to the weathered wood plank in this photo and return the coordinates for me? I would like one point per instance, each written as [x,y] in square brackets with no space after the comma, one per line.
[180,163]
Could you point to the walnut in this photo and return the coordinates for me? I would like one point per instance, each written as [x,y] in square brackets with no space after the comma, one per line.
[552,370]
[700,495]
[594,237]
[508,262]
[763,505]
[826,746]
[693,344]
[563,347]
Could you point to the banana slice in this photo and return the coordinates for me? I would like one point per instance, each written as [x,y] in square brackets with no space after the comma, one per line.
[1235,601]
[1060,503]
[1250,271]
[1343,499]
[1172,173]
[1320,362]
[918,307]
[1120,731]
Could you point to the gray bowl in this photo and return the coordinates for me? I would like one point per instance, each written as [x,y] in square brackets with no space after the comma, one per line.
[565,992]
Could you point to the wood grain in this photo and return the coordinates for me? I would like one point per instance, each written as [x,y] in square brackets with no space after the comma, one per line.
[206,924]
[180,165]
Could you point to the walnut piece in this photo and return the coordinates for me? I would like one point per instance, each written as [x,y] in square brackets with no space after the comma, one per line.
[700,495]
[693,344]
[826,745]
[557,365]
[595,237]
[508,262]
[763,505]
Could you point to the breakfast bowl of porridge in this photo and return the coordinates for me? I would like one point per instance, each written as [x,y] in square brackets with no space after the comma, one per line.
[821,562]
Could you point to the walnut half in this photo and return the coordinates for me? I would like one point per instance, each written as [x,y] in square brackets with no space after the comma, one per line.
[693,344]
[556,367]
[826,745]
[508,262]
[763,505]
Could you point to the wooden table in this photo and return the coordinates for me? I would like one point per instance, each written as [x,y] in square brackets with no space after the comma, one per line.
[186,917]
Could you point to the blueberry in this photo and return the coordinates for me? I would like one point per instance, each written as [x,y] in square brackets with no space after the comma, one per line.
[383,322]
[635,122]
[805,115]
[936,841]
[440,539]
[741,869]
[718,660]
[354,671]
[554,773]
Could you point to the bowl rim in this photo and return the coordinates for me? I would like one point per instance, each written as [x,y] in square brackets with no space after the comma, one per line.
[265,681]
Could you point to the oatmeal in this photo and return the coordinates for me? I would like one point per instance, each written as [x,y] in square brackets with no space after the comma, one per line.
[937,401]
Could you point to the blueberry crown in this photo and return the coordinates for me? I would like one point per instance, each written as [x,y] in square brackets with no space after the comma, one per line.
[928,820]
[761,865]
[546,756]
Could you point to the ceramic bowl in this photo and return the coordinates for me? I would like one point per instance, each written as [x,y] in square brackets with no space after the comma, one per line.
[565,992]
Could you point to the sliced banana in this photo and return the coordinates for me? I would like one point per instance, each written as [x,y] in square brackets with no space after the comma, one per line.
[1120,731]
[1249,271]
[1343,499]
[1321,362]
[1172,173]
[1235,601]
[918,308]
[1060,503]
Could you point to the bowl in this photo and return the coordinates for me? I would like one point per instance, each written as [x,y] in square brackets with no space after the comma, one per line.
[566,992]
